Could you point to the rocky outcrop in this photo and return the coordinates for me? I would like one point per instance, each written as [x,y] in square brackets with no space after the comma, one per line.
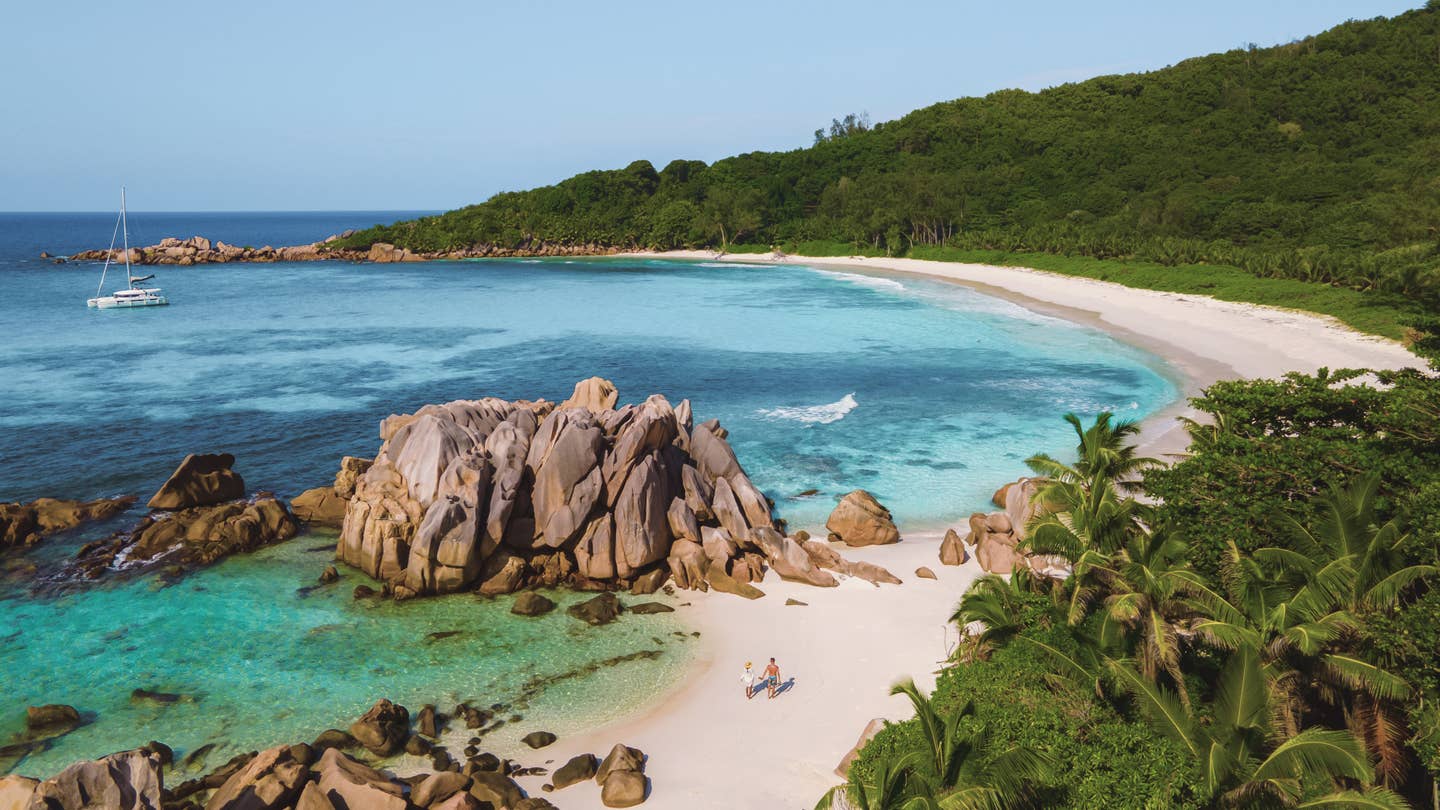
[860,520]
[25,524]
[383,729]
[202,479]
[871,729]
[502,496]
[126,781]
[997,536]
[200,250]
[272,780]
[828,558]
[190,537]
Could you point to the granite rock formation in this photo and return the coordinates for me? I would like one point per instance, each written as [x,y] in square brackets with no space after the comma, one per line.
[860,520]
[25,524]
[502,496]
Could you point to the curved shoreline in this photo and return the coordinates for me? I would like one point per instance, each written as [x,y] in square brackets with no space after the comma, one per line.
[1204,340]
[712,749]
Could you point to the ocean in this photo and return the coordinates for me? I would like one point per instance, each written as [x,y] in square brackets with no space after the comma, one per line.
[927,394]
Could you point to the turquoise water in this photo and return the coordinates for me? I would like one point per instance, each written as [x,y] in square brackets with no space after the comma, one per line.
[259,660]
[927,394]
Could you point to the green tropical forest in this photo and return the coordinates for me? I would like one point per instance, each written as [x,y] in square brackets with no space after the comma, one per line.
[1315,161]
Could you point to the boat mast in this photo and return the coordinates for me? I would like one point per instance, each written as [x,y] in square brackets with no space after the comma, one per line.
[110,254]
[125,226]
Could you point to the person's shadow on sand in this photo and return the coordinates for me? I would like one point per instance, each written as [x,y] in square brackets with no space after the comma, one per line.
[785,687]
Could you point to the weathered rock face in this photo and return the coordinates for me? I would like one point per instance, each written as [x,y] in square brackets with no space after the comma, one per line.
[952,549]
[825,557]
[998,535]
[384,729]
[622,777]
[344,782]
[382,253]
[125,781]
[325,506]
[596,394]
[271,781]
[24,524]
[190,537]
[202,479]
[860,520]
[508,495]
[995,543]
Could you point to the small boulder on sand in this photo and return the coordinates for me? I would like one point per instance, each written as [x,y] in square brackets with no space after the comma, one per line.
[860,520]
[952,549]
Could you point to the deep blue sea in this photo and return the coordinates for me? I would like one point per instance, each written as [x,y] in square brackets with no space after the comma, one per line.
[928,394]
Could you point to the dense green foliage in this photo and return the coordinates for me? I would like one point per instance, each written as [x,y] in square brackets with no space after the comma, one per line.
[1266,635]
[1315,160]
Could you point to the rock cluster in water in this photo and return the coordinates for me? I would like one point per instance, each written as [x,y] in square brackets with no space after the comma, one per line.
[202,515]
[501,495]
[200,250]
[323,775]
[25,524]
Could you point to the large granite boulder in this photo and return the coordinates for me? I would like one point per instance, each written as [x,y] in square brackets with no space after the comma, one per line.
[16,792]
[383,729]
[346,783]
[514,495]
[952,549]
[564,459]
[126,781]
[578,769]
[860,520]
[271,781]
[320,507]
[996,543]
[790,560]
[202,479]
[596,394]
[622,777]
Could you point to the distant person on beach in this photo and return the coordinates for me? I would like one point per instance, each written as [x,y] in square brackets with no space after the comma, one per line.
[748,678]
[772,679]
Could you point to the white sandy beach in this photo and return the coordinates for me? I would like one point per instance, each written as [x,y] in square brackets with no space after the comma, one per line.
[710,748]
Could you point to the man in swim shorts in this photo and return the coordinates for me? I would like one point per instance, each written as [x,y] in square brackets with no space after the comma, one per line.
[772,679]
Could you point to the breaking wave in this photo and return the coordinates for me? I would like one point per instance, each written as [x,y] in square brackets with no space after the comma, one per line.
[873,282]
[815,414]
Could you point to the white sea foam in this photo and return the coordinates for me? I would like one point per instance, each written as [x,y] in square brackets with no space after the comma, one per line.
[873,282]
[815,414]
[743,265]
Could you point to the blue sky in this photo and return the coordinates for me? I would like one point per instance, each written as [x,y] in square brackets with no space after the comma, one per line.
[323,105]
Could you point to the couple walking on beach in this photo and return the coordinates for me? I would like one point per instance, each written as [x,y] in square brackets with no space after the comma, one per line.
[770,682]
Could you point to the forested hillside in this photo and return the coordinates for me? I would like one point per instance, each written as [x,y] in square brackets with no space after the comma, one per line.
[1316,160]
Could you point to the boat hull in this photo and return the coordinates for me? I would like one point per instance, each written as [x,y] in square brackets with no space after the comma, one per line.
[110,302]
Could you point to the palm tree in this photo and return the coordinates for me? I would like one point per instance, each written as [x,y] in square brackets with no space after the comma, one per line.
[1241,763]
[957,765]
[1083,505]
[963,768]
[990,614]
[1104,454]
[1154,601]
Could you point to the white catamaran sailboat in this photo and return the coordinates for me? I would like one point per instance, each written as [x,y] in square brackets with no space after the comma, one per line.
[131,296]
